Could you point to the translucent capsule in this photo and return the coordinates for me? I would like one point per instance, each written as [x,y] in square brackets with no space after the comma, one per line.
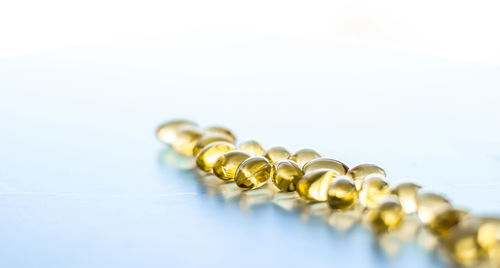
[277,153]
[407,194]
[286,176]
[226,165]
[372,190]
[488,234]
[207,139]
[314,185]
[327,163]
[185,140]
[342,193]
[446,218]
[462,246]
[386,215]
[428,204]
[360,172]
[207,157]
[302,156]
[220,131]
[253,173]
[251,147]
[166,132]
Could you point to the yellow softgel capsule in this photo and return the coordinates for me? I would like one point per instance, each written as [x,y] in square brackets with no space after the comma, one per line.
[251,147]
[220,131]
[428,204]
[407,194]
[167,131]
[277,153]
[372,190]
[360,172]
[446,218]
[462,246]
[386,215]
[286,176]
[185,140]
[328,163]
[207,139]
[488,234]
[207,157]
[253,173]
[226,165]
[342,193]
[314,185]
[302,156]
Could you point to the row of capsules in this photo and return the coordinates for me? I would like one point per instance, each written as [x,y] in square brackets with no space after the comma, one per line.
[467,239]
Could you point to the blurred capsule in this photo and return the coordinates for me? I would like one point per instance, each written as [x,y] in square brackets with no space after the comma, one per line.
[207,139]
[226,165]
[488,234]
[314,185]
[407,194]
[462,246]
[428,204]
[220,131]
[342,193]
[253,173]
[302,156]
[360,172]
[446,218]
[208,156]
[372,190]
[186,138]
[251,147]
[328,163]
[386,215]
[166,132]
[277,153]
[286,176]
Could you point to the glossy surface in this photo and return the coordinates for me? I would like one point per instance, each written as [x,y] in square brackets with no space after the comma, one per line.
[219,130]
[277,153]
[342,193]
[226,165]
[360,172]
[167,131]
[386,215]
[488,235]
[445,220]
[253,173]
[462,246]
[206,139]
[428,204]
[286,176]
[328,163]
[314,185]
[407,194]
[206,158]
[251,147]
[185,140]
[372,190]
[302,156]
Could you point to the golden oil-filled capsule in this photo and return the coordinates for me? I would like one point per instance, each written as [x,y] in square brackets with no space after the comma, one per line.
[407,194]
[342,193]
[386,215]
[488,234]
[277,153]
[446,218]
[253,172]
[185,140]
[302,156]
[207,139]
[167,131]
[360,172]
[314,185]
[226,165]
[220,131]
[252,147]
[372,190]
[207,157]
[286,175]
[428,204]
[494,255]
[328,163]
[462,246]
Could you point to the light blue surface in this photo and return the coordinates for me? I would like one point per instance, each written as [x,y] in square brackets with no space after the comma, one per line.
[82,183]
